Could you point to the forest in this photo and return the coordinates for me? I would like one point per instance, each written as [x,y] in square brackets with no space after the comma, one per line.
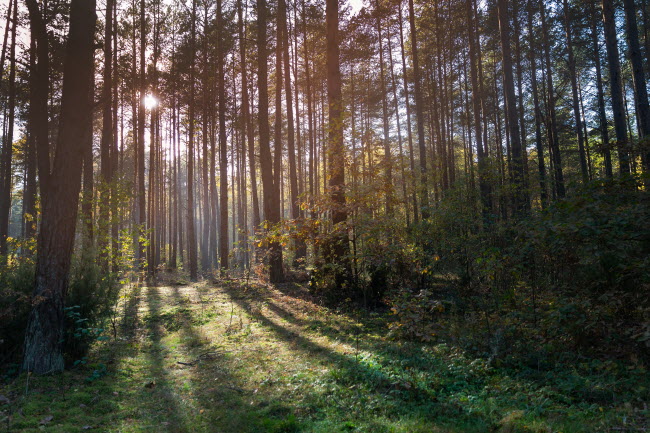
[324,216]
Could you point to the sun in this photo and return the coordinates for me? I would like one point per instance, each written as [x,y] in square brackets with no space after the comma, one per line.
[150,101]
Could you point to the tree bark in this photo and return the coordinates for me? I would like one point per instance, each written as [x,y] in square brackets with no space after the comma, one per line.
[43,348]
[616,86]
[638,77]
[191,233]
[419,112]
[520,194]
[223,149]
[602,118]
[271,209]
[574,94]
[337,248]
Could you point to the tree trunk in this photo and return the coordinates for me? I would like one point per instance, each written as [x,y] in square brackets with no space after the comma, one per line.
[388,172]
[106,168]
[7,148]
[408,116]
[574,94]
[191,233]
[271,208]
[541,166]
[338,247]
[554,144]
[616,86]
[638,76]
[520,194]
[419,112]
[602,118]
[29,197]
[45,329]
[291,146]
[484,184]
[223,150]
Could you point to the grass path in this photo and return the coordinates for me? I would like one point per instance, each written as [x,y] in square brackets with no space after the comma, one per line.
[248,358]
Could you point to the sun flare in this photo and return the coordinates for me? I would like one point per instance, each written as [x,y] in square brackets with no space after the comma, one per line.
[150,101]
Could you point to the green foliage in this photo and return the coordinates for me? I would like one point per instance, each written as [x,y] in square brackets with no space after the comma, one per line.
[574,277]
[16,283]
[417,315]
[91,297]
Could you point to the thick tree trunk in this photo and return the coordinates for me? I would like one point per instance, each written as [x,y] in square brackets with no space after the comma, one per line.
[191,233]
[45,328]
[338,246]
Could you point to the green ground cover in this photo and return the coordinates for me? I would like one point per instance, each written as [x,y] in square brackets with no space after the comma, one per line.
[240,357]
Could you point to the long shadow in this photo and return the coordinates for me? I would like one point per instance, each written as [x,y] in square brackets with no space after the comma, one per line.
[160,385]
[352,370]
[130,319]
[213,382]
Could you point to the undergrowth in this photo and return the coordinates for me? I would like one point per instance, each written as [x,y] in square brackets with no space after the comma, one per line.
[249,358]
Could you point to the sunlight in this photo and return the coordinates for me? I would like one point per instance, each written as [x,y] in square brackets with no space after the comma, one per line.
[150,101]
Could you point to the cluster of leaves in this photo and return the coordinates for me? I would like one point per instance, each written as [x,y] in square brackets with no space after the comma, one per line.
[417,315]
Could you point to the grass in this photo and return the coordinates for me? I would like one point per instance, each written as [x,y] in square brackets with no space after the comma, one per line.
[233,357]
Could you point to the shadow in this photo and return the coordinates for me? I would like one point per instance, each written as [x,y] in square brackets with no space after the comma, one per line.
[160,385]
[131,313]
[359,367]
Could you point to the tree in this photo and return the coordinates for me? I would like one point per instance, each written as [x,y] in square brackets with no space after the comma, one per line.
[191,233]
[638,75]
[60,195]
[615,84]
[223,151]
[574,93]
[270,200]
[338,246]
[419,113]
[8,139]
[520,196]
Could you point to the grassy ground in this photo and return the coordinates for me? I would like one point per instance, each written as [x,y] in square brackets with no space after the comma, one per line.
[238,357]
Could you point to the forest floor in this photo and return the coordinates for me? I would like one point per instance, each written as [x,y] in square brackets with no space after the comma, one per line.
[235,356]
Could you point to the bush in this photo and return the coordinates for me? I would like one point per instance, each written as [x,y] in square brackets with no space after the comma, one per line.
[90,299]
[572,279]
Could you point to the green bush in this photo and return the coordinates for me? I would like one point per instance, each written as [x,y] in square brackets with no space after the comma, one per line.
[573,278]
[90,298]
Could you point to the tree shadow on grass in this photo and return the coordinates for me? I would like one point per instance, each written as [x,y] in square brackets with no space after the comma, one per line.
[361,370]
[225,403]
